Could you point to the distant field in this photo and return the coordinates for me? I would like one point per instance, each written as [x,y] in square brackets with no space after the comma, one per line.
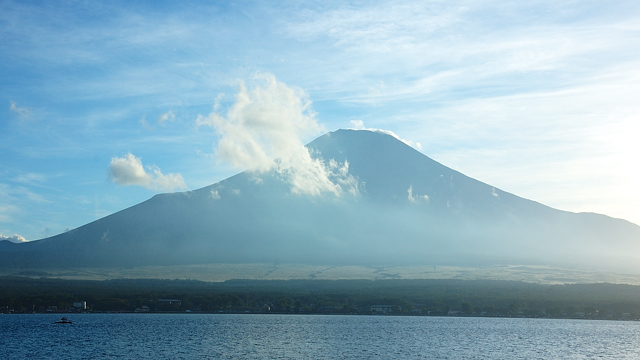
[222,272]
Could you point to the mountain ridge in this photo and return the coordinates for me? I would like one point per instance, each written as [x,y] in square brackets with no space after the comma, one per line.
[408,208]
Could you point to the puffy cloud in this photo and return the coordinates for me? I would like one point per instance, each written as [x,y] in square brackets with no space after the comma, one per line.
[15,238]
[128,170]
[264,123]
[268,122]
[23,112]
[166,182]
[359,125]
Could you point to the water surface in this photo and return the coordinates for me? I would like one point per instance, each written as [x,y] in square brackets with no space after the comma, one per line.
[225,336]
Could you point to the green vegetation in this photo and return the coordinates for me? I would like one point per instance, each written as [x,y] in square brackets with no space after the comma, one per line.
[403,297]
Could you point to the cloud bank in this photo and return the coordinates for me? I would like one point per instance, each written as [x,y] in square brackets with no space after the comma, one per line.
[14,239]
[128,170]
[264,130]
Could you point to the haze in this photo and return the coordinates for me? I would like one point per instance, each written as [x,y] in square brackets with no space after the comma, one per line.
[104,105]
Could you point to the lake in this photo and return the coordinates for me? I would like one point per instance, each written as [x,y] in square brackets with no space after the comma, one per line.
[227,336]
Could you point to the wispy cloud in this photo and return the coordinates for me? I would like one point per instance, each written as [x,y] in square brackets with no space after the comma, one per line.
[162,120]
[7,211]
[540,145]
[12,193]
[437,51]
[166,117]
[22,112]
[15,201]
[128,170]
[414,197]
[144,123]
[30,178]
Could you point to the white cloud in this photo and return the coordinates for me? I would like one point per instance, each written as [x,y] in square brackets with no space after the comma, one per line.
[410,196]
[128,170]
[339,173]
[413,198]
[144,123]
[168,116]
[359,125]
[15,238]
[215,194]
[22,112]
[267,122]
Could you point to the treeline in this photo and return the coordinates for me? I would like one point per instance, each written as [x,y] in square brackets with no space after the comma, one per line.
[406,297]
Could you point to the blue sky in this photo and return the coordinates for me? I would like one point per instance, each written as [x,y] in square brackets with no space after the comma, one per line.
[100,102]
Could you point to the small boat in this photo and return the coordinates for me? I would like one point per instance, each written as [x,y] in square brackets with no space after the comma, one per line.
[64,320]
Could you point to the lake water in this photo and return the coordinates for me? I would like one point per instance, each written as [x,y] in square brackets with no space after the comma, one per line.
[224,336]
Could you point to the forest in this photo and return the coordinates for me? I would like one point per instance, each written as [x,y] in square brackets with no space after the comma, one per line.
[19,294]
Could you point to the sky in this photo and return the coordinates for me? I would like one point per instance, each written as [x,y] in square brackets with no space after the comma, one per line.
[105,104]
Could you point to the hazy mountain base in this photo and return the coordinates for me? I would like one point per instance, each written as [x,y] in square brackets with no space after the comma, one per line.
[223,272]
[406,210]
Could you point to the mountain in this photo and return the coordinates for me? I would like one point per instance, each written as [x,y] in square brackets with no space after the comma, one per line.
[394,206]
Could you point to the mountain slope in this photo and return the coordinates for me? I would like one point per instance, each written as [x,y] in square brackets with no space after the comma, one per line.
[408,209]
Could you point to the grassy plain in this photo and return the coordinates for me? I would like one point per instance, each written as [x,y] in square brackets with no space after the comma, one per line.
[222,272]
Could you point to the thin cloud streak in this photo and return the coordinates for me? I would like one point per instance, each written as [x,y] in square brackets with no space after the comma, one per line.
[459,54]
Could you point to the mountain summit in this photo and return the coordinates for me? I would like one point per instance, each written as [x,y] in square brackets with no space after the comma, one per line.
[390,205]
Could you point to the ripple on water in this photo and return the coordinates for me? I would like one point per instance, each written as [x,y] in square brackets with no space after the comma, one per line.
[223,336]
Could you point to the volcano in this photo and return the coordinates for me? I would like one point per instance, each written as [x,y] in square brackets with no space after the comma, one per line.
[394,205]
